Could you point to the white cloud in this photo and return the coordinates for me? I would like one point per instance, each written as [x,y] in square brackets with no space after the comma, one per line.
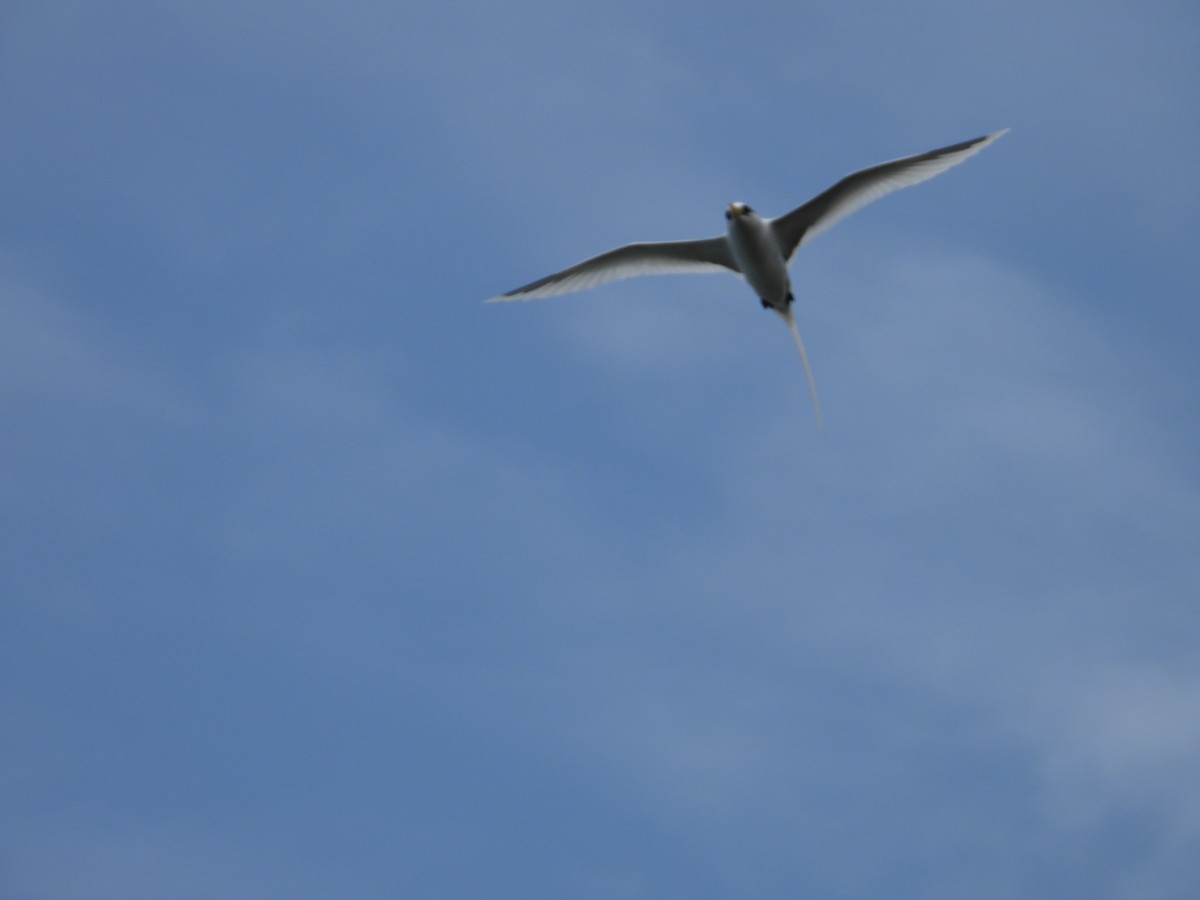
[991,521]
[960,616]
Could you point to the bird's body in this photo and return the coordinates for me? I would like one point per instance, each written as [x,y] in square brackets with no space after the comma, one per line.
[757,249]
[758,256]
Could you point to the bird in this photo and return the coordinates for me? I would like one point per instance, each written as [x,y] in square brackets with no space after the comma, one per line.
[757,249]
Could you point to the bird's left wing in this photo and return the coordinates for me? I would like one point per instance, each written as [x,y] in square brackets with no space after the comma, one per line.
[709,255]
[860,188]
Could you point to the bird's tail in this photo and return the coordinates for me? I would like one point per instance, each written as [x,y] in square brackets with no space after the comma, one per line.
[812,387]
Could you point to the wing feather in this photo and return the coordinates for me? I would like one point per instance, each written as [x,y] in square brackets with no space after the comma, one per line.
[860,188]
[709,255]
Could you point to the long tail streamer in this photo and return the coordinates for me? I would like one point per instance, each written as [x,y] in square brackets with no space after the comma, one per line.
[812,387]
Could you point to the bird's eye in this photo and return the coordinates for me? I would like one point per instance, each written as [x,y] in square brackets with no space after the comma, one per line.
[746,209]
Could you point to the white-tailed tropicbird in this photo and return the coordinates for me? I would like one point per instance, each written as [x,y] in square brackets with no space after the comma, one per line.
[757,249]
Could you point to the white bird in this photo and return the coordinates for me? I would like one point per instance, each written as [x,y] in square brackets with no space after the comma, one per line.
[757,249]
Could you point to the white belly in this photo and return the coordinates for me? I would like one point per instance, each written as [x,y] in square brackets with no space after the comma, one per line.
[760,259]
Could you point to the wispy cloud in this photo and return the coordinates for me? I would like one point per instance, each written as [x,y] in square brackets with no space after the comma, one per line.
[320,576]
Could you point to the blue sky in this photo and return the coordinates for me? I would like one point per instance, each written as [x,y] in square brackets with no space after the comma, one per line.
[322,578]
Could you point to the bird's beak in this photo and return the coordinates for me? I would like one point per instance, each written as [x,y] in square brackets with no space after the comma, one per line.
[732,210]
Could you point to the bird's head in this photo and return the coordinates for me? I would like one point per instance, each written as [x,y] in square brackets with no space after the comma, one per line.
[738,209]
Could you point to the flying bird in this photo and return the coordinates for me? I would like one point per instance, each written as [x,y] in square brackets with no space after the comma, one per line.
[755,248]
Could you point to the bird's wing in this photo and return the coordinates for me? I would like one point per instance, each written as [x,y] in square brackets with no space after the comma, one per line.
[709,255]
[857,190]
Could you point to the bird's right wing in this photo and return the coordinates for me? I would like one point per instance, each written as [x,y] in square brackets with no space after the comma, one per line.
[860,188]
[709,255]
